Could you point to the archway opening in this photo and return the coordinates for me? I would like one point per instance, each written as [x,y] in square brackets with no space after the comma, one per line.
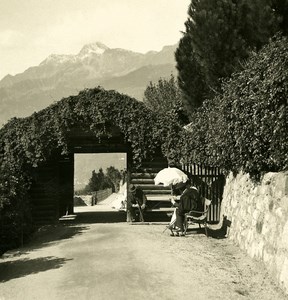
[100,186]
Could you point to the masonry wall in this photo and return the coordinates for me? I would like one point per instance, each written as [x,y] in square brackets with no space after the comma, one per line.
[259,215]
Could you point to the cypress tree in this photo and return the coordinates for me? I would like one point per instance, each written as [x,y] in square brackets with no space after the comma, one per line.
[218,36]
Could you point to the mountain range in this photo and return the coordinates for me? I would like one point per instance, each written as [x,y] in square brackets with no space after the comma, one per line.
[96,64]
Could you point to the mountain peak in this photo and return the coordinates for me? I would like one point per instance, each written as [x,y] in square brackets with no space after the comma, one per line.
[57,59]
[97,48]
[87,50]
[60,75]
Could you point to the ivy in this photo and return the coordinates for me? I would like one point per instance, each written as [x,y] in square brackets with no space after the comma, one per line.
[246,126]
[243,128]
[28,142]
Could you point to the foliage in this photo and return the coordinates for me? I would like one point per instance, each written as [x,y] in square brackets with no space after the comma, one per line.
[281,10]
[97,182]
[218,36]
[27,143]
[191,79]
[115,176]
[245,128]
[165,97]
[15,224]
[100,181]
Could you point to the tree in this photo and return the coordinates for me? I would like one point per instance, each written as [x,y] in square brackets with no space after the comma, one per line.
[165,98]
[218,36]
[101,180]
[191,80]
[114,175]
[93,184]
[281,10]
[98,181]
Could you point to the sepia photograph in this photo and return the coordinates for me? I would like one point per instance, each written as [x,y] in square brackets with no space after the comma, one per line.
[143,149]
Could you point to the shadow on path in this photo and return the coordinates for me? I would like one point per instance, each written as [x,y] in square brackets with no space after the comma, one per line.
[23,267]
[219,233]
[113,217]
[53,233]
[222,232]
[100,217]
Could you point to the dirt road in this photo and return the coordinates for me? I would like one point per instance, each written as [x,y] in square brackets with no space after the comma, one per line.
[122,261]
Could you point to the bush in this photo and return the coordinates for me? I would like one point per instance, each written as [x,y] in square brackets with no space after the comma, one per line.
[246,127]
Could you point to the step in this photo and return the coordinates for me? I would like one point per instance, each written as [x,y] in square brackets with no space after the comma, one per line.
[148,169]
[161,209]
[143,175]
[156,197]
[154,187]
[142,180]
[68,218]
[158,163]
[160,192]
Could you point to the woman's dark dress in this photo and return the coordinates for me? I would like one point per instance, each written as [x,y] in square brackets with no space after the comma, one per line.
[189,200]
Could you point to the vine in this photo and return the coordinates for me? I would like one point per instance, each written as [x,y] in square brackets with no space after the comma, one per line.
[28,142]
[246,126]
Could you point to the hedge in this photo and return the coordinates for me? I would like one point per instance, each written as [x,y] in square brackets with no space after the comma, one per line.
[246,127]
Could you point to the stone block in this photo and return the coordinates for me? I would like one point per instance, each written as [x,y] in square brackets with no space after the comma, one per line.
[284,204]
[281,184]
[267,257]
[283,278]
[256,214]
[284,237]
[268,178]
[234,203]
[286,184]
[279,213]
[259,204]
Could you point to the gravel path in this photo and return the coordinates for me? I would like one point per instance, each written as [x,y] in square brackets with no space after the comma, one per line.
[123,261]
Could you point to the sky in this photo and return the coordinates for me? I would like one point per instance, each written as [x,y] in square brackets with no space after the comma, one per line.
[84,164]
[31,30]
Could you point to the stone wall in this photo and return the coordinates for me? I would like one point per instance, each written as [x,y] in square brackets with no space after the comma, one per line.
[259,219]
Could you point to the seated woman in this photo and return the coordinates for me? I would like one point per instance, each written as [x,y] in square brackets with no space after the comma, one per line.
[189,200]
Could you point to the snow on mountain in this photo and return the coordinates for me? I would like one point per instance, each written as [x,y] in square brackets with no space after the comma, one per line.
[65,75]
[94,48]
[58,59]
[87,51]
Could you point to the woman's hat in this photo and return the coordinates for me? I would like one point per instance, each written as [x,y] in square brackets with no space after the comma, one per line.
[132,188]
[180,185]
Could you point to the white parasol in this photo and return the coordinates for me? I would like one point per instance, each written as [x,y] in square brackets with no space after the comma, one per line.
[170,176]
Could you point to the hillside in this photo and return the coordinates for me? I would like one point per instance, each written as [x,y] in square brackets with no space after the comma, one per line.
[60,76]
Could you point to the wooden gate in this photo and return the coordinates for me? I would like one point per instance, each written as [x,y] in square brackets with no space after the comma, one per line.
[210,181]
